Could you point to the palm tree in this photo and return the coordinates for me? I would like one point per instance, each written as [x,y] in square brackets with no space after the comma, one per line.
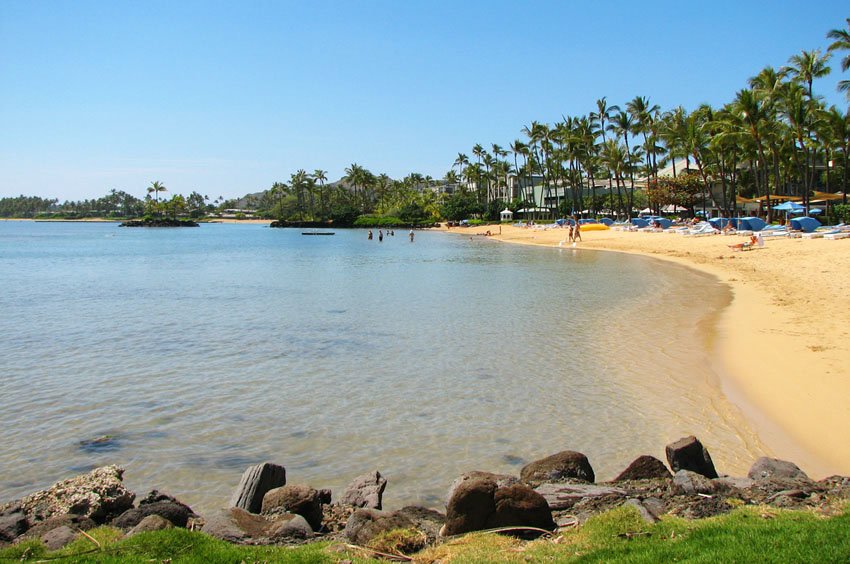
[355,175]
[156,187]
[519,148]
[299,181]
[842,43]
[599,117]
[807,66]
[643,115]
[460,162]
[321,177]
[752,110]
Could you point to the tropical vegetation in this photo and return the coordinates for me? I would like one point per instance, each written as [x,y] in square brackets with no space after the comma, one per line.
[774,138]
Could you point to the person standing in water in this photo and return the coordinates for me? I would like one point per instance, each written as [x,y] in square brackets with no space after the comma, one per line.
[576,231]
[370,235]
[410,235]
[380,235]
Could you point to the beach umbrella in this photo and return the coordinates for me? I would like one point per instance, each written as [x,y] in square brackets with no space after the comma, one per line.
[815,211]
[792,207]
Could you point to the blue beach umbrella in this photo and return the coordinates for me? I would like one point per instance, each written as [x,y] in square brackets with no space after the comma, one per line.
[792,207]
[815,211]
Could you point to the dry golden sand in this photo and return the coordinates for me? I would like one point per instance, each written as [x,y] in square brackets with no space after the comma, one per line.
[784,341]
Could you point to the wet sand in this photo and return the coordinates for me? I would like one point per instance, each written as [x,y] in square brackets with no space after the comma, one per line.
[784,341]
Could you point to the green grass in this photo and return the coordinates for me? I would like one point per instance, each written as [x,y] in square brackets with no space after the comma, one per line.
[746,535]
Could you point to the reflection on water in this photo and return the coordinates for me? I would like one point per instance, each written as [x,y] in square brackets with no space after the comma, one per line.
[202,351]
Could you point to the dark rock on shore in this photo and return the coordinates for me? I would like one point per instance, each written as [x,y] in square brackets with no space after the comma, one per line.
[365,491]
[427,521]
[690,483]
[644,468]
[150,523]
[255,483]
[12,525]
[239,526]
[562,466]
[303,224]
[171,509]
[562,496]
[479,503]
[159,222]
[365,524]
[689,454]
[771,468]
[70,520]
[501,480]
[298,499]
[55,539]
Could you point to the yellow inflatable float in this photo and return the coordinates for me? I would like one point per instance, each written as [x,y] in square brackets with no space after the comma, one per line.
[594,227]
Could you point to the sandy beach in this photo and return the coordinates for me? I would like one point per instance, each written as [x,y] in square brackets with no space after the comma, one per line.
[784,342]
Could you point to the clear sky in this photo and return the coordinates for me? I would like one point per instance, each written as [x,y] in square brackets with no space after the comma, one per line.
[228,97]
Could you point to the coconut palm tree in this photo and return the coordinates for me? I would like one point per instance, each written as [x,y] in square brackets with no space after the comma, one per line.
[841,42]
[756,122]
[460,162]
[321,176]
[807,66]
[519,148]
[643,115]
[156,187]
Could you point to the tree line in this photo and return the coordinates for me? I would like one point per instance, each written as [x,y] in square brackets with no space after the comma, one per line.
[776,136]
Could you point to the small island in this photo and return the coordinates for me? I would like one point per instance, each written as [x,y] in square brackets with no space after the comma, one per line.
[159,222]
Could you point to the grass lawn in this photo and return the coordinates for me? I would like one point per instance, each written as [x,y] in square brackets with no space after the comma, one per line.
[746,535]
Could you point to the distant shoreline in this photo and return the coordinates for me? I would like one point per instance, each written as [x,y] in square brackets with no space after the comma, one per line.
[783,341]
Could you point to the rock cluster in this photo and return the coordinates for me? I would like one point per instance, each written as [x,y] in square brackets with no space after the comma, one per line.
[556,490]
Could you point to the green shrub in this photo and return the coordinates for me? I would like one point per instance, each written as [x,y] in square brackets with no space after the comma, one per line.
[373,220]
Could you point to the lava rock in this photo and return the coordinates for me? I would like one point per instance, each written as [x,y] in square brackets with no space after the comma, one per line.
[558,467]
[290,527]
[689,454]
[772,468]
[59,537]
[325,496]
[501,481]
[519,505]
[644,468]
[12,525]
[479,503]
[152,522]
[691,483]
[562,496]
[298,499]
[365,524]
[76,522]
[425,520]
[174,511]
[255,483]
[365,491]
[236,525]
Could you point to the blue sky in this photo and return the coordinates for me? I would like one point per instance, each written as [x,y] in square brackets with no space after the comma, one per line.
[228,97]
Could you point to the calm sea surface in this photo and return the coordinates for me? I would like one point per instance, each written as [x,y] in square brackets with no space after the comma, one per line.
[203,351]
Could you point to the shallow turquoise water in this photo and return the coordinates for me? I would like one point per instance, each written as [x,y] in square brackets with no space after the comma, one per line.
[205,350]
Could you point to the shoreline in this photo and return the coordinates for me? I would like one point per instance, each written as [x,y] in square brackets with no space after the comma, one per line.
[781,345]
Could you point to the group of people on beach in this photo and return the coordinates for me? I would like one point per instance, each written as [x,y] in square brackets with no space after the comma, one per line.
[574,227]
[390,233]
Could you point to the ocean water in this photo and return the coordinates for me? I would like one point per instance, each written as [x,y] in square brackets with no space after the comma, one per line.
[203,351]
